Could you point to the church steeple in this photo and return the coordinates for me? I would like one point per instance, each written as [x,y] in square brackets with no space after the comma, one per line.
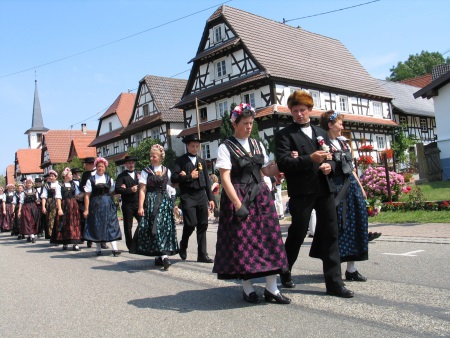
[37,124]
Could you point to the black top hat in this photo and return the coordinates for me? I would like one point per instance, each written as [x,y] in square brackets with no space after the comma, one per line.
[190,138]
[89,160]
[126,159]
[38,180]
[45,176]
[76,170]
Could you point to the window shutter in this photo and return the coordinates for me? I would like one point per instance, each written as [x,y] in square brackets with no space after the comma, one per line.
[211,37]
[212,71]
[228,65]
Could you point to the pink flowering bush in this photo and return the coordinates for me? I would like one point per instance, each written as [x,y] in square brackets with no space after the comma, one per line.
[375,185]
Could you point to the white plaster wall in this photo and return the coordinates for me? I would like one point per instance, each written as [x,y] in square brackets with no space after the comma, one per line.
[104,127]
[442,115]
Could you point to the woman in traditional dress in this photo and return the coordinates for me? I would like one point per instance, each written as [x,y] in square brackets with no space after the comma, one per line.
[16,224]
[102,224]
[156,233]
[249,243]
[68,228]
[2,207]
[349,197]
[28,211]
[51,202]
[8,220]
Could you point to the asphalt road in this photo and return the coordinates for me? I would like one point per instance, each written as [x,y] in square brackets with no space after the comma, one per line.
[48,292]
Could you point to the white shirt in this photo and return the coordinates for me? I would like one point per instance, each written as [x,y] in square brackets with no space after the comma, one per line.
[144,175]
[99,179]
[56,187]
[223,155]
[3,197]
[29,191]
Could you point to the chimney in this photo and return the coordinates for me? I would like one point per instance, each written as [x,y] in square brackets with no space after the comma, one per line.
[83,128]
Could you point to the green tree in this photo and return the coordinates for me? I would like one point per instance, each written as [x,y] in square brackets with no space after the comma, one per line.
[76,163]
[142,153]
[401,144]
[417,65]
[2,181]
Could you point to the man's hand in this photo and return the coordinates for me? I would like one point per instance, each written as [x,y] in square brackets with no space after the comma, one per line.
[194,174]
[134,188]
[319,156]
[182,173]
[326,168]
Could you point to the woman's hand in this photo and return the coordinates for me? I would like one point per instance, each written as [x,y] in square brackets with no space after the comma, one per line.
[141,211]
[294,154]
[60,212]
[86,213]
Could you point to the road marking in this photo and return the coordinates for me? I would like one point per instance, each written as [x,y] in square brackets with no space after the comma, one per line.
[408,254]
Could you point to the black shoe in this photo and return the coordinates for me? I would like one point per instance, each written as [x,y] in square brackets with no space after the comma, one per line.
[104,246]
[116,252]
[158,261]
[279,298]
[252,297]
[374,235]
[29,239]
[355,276]
[89,244]
[204,259]
[166,263]
[33,240]
[76,248]
[64,247]
[99,253]
[286,280]
[340,291]
[183,254]
[19,237]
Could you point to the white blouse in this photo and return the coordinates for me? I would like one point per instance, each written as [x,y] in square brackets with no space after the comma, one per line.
[56,187]
[144,175]
[223,154]
[99,179]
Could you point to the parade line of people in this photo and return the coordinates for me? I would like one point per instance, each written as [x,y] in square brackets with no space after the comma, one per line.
[315,162]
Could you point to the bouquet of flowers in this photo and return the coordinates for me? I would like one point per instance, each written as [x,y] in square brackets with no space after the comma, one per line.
[373,208]
[322,144]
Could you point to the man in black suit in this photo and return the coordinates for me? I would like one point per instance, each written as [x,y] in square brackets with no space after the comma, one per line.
[127,185]
[301,152]
[191,173]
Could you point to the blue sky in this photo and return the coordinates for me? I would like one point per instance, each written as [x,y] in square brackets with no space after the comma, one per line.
[80,88]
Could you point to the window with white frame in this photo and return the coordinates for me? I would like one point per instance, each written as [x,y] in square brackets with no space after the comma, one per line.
[138,138]
[423,125]
[203,115]
[377,109]
[343,103]
[218,36]
[222,108]
[105,151]
[403,121]
[316,98]
[221,69]
[155,133]
[250,98]
[205,151]
[110,126]
[145,109]
[116,148]
[125,145]
[380,142]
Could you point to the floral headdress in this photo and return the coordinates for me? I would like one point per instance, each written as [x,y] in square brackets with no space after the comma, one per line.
[333,116]
[66,171]
[29,178]
[160,148]
[101,160]
[53,172]
[238,110]
[10,185]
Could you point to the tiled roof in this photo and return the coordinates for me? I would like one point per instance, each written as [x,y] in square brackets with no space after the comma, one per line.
[418,81]
[403,95]
[29,161]
[82,149]
[440,70]
[58,142]
[216,49]
[141,124]
[166,92]
[323,61]
[123,107]
[106,138]
[432,89]
[284,110]
[10,174]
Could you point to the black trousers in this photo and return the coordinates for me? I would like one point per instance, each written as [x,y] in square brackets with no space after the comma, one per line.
[325,243]
[129,210]
[195,215]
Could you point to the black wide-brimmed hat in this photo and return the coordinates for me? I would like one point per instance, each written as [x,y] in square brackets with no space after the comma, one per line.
[127,158]
[191,138]
[38,180]
[89,160]
[76,170]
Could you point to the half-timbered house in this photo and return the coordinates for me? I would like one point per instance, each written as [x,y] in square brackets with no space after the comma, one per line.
[108,141]
[416,116]
[243,57]
[153,114]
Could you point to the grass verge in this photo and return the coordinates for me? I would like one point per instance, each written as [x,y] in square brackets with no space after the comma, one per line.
[418,216]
